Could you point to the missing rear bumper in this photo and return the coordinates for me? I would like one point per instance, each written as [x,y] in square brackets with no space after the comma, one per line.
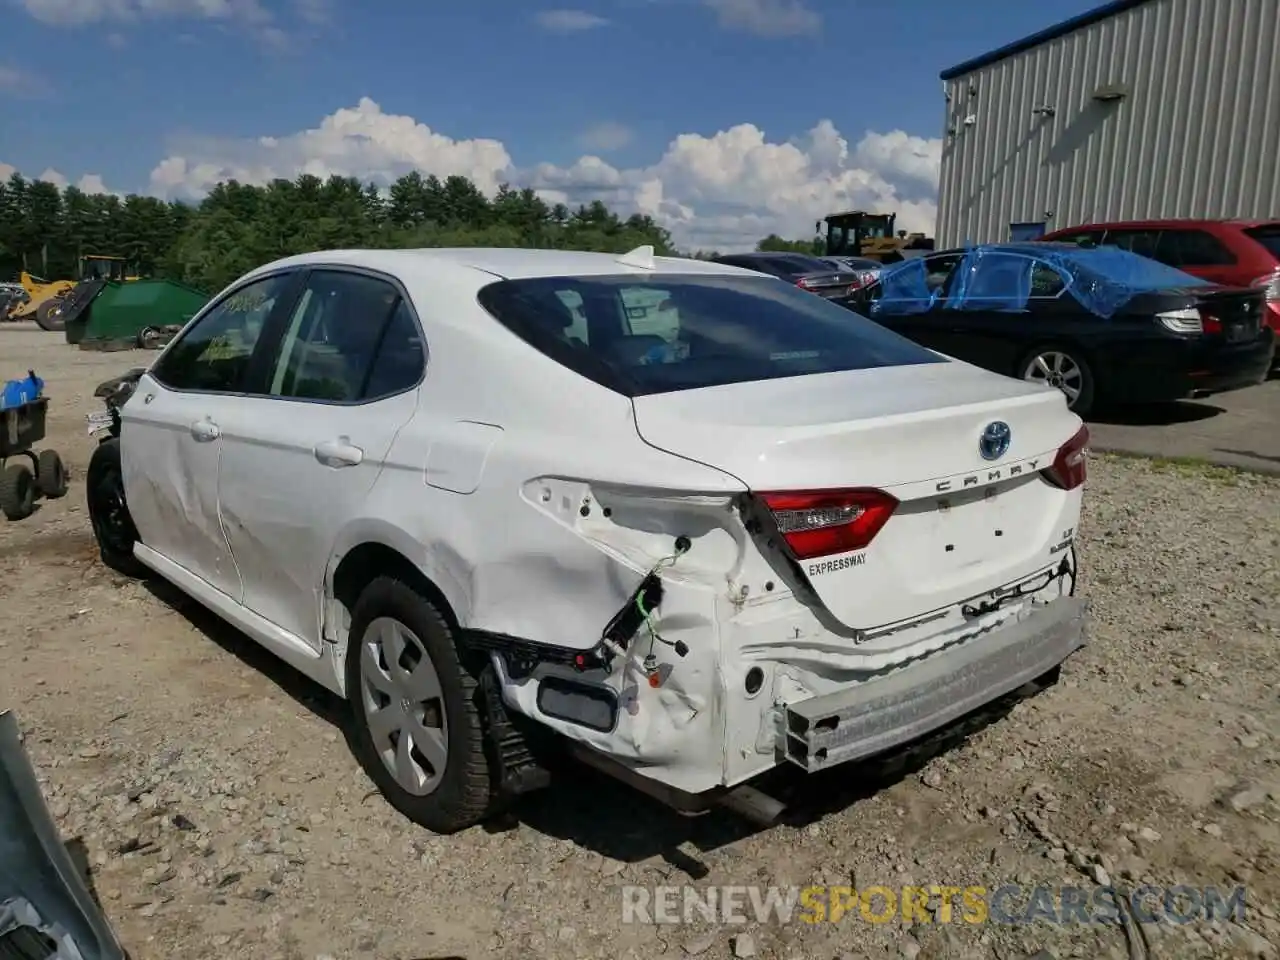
[897,709]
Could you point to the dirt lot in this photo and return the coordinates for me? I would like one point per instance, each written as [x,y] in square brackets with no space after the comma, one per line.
[223,816]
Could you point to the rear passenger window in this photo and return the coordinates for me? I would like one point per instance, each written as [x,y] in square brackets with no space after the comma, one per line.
[401,357]
[332,338]
[1194,248]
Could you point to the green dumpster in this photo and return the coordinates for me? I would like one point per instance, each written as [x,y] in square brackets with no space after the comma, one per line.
[122,315]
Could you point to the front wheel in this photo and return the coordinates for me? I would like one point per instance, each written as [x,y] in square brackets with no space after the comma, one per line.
[417,728]
[49,315]
[1064,368]
[109,513]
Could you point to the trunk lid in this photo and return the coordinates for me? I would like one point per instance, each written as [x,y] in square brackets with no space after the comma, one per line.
[963,525]
[1237,310]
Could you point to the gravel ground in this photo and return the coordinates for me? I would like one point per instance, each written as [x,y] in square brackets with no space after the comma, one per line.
[223,816]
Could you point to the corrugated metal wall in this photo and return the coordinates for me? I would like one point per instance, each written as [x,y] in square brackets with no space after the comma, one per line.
[1198,134]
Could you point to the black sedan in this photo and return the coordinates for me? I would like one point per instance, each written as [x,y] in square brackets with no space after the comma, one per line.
[810,273]
[1103,325]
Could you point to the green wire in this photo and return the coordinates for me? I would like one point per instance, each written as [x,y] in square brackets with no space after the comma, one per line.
[648,617]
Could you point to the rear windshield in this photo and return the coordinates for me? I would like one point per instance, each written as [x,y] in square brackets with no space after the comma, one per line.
[641,335]
[1268,236]
[1128,269]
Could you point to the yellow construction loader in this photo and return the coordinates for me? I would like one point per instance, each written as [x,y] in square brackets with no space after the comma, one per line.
[871,235]
[45,298]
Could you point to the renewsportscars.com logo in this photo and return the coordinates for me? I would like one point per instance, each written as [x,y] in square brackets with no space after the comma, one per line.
[1009,904]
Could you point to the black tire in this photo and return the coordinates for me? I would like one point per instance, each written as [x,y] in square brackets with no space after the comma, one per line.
[51,475]
[148,338]
[1084,402]
[17,491]
[49,315]
[464,795]
[113,527]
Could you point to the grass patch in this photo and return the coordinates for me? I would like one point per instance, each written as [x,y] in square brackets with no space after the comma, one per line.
[1198,467]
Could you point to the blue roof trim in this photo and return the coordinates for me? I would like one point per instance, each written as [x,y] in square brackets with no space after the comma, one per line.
[1088,18]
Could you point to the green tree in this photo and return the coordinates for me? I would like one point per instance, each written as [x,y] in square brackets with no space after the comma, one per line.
[238,226]
[776,244]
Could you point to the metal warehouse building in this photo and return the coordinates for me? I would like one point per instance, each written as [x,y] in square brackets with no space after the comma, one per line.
[1140,109]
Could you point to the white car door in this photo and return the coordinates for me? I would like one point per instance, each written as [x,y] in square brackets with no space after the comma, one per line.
[171,436]
[299,464]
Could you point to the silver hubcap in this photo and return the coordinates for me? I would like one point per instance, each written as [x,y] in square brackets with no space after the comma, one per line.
[1057,370]
[403,705]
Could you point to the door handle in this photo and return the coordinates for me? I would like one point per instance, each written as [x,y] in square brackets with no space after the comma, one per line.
[205,430]
[338,453]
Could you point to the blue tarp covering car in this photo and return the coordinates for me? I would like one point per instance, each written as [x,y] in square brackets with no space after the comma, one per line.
[1005,277]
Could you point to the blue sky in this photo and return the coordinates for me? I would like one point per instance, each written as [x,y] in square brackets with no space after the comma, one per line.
[112,87]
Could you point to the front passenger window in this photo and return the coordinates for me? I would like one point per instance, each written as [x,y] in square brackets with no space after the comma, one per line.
[214,354]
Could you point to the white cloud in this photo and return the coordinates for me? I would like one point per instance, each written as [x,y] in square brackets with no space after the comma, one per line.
[252,15]
[568,21]
[725,190]
[77,12]
[7,170]
[89,183]
[605,136]
[766,18]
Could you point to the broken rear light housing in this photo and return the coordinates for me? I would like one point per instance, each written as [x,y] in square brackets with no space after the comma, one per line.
[1070,466]
[819,523]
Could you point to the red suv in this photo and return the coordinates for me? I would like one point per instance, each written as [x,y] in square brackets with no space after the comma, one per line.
[1239,253]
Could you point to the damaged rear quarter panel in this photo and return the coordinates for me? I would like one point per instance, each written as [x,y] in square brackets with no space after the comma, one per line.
[530,553]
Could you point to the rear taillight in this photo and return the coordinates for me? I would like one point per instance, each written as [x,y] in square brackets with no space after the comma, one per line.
[818,523]
[861,279]
[1187,320]
[803,283]
[1190,320]
[1270,285]
[1069,467]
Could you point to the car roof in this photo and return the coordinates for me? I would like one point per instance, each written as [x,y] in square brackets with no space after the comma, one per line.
[1173,224]
[501,262]
[1030,247]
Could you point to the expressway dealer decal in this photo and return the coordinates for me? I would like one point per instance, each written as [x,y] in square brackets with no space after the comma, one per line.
[840,563]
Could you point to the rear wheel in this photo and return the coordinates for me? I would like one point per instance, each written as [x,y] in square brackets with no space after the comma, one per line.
[109,513]
[417,724]
[1062,367]
[17,491]
[49,315]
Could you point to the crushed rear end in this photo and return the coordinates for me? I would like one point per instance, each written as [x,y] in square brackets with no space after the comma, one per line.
[911,551]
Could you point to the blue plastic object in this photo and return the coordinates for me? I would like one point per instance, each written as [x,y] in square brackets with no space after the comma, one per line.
[1005,278]
[17,393]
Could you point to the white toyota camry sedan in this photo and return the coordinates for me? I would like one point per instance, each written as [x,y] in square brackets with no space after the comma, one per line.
[687,520]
